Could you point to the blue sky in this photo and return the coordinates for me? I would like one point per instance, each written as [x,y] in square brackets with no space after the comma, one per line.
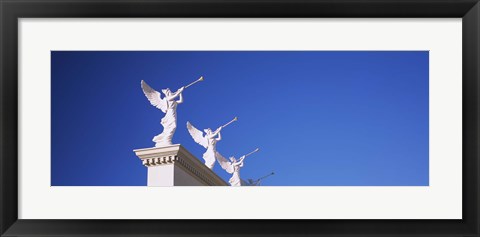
[320,118]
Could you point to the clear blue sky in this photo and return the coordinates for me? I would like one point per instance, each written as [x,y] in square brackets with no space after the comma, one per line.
[321,118]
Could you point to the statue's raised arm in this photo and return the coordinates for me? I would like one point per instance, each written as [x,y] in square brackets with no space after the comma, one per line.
[178,93]
[180,98]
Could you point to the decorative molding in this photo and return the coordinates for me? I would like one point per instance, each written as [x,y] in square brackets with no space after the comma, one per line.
[181,157]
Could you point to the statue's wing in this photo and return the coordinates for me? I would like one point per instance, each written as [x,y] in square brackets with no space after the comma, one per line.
[154,97]
[197,135]
[224,163]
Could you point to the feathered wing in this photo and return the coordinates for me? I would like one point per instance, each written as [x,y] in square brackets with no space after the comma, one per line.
[224,163]
[154,97]
[197,135]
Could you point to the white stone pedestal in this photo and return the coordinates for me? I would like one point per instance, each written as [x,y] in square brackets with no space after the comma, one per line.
[175,166]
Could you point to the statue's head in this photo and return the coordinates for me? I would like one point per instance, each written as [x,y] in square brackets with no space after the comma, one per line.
[167,92]
[208,131]
[232,159]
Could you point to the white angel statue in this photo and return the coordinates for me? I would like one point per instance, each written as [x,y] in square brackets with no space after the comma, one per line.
[233,167]
[208,141]
[168,105]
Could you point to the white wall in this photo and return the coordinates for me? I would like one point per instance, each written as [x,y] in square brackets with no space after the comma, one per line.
[161,175]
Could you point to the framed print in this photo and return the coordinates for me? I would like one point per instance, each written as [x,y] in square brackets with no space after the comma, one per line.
[286,118]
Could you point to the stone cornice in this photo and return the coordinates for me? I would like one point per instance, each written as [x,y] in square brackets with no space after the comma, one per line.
[178,155]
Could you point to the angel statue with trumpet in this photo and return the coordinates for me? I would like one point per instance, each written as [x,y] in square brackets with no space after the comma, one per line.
[233,167]
[168,105]
[209,141]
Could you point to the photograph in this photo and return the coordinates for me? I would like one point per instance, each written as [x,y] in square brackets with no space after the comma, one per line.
[239,118]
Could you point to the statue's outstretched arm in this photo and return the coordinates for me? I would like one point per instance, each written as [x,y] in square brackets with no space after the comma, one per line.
[179,92]
[219,136]
[180,99]
[217,131]
[238,163]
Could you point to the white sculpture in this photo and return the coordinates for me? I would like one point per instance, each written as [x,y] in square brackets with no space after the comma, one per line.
[208,141]
[168,105]
[233,167]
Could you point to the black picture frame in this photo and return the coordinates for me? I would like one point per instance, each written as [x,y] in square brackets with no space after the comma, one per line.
[11,11]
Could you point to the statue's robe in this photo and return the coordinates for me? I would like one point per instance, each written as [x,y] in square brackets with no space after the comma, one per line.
[169,123]
[235,180]
[210,153]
